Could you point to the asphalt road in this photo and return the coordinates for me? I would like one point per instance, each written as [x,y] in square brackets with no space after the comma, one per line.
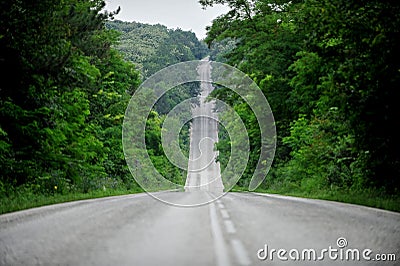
[139,230]
[203,170]
[236,229]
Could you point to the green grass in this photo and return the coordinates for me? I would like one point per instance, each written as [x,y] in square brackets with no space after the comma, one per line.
[24,201]
[369,198]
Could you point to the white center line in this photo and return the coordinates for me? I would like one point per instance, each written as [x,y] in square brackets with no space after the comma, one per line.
[240,252]
[225,214]
[230,228]
[221,252]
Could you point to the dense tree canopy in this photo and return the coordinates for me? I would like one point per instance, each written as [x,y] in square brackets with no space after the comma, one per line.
[330,72]
[62,97]
[64,92]
[153,47]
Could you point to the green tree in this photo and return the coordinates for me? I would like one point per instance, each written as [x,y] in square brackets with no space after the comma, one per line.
[330,71]
[53,127]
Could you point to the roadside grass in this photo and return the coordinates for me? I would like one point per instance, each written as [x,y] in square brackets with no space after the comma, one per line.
[22,201]
[368,198]
[375,199]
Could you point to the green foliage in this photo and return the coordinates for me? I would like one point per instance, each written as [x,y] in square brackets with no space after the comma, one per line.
[330,72]
[61,117]
[220,49]
[165,167]
[153,47]
[25,197]
[355,44]
[321,153]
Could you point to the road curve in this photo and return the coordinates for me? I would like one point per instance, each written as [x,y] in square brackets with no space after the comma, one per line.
[139,230]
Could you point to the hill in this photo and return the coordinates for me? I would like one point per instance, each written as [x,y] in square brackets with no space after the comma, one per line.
[153,47]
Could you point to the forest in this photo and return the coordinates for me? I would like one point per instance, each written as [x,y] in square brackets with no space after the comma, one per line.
[329,69]
[152,47]
[330,72]
[68,72]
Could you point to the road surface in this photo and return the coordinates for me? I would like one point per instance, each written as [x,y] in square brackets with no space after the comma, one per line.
[139,230]
[203,170]
[236,229]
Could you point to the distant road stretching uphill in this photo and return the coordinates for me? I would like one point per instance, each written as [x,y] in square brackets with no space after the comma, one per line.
[237,229]
[203,172]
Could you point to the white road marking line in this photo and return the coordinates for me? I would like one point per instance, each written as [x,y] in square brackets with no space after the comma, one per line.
[225,214]
[221,206]
[240,252]
[221,252]
[230,228]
